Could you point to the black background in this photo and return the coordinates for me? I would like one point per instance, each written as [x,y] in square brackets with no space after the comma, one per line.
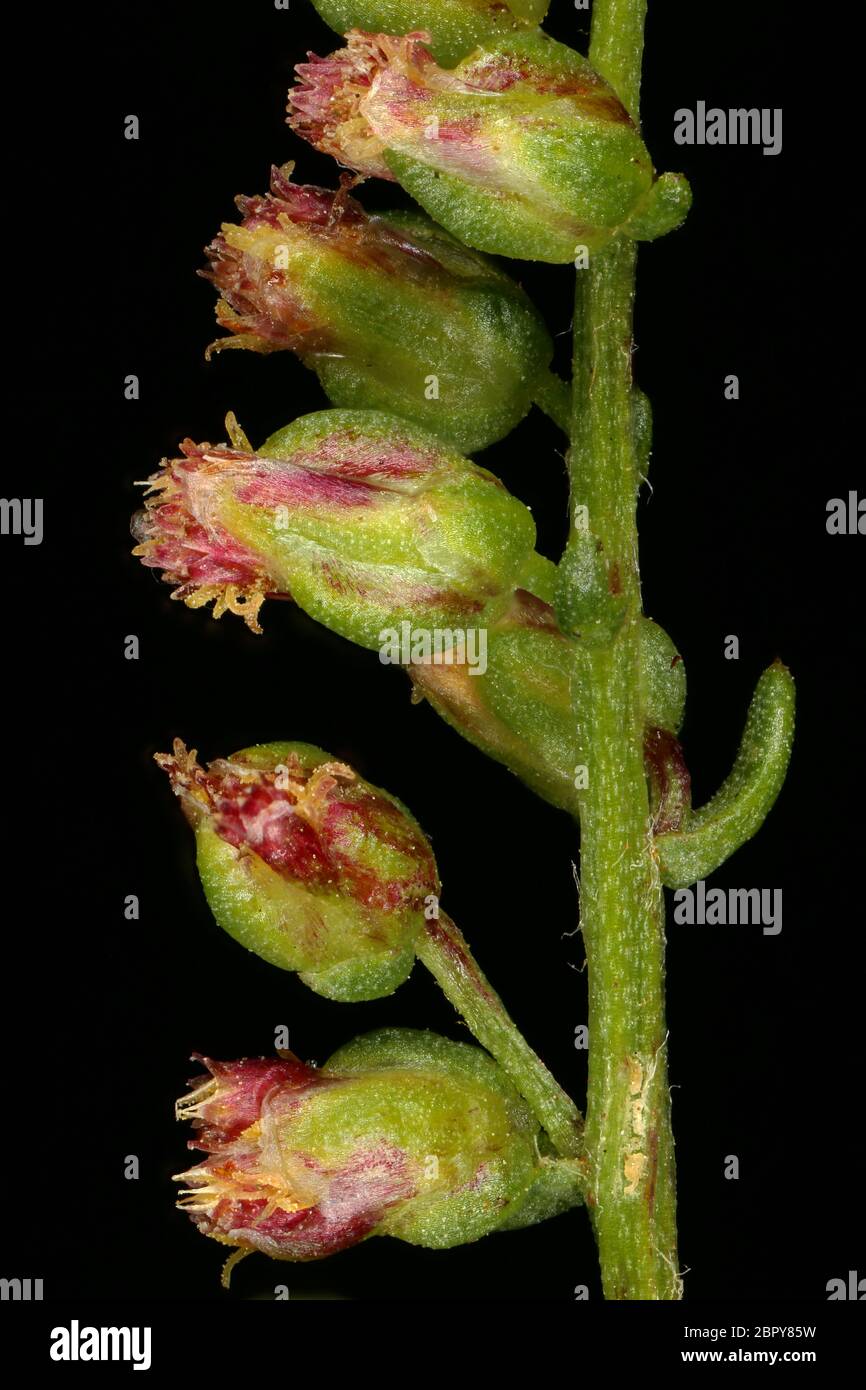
[764,1038]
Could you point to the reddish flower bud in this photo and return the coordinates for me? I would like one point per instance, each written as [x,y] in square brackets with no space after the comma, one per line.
[401,1133]
[359,517]
[389,310]
[249,1194]
[521,150]
[308,865]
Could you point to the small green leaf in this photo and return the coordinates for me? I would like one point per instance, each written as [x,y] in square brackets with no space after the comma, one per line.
[711,835]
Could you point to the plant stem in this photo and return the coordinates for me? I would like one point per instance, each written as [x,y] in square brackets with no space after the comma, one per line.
[629,1144]
[616,47]
[446,954]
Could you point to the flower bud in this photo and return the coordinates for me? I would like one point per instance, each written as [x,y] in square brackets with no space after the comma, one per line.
[454,26]
[360,518]
[390,312]
[401,1133]
[520,150]
[308,865]
[662,679]
[518,710]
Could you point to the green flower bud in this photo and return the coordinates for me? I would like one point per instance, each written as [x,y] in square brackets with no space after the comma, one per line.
[520,150]
[400,1134]
[307,865]
[589,602]
[363,520]
[662,679]
[518,710]
[454,26]
[390,311]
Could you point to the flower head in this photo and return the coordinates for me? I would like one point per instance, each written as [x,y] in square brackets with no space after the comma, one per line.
[520,150]
[390,311]
[401,1133]
[361,519]
[308,865]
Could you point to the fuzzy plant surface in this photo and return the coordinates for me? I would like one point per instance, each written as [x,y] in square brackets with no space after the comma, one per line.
[374,519]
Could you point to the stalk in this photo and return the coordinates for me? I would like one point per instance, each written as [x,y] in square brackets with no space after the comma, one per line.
[553,396]
[629,1144]
[445,952]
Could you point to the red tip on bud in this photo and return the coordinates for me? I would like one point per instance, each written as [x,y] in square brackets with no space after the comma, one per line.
[178,534]
[325,108]
[314,822]
[254,1194]
[262,305]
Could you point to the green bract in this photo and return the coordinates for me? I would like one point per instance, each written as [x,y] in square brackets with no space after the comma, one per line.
[520,150]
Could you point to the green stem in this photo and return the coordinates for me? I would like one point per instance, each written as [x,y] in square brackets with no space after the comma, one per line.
[629,1144]
[616,47]
[446,955]
[553,396]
